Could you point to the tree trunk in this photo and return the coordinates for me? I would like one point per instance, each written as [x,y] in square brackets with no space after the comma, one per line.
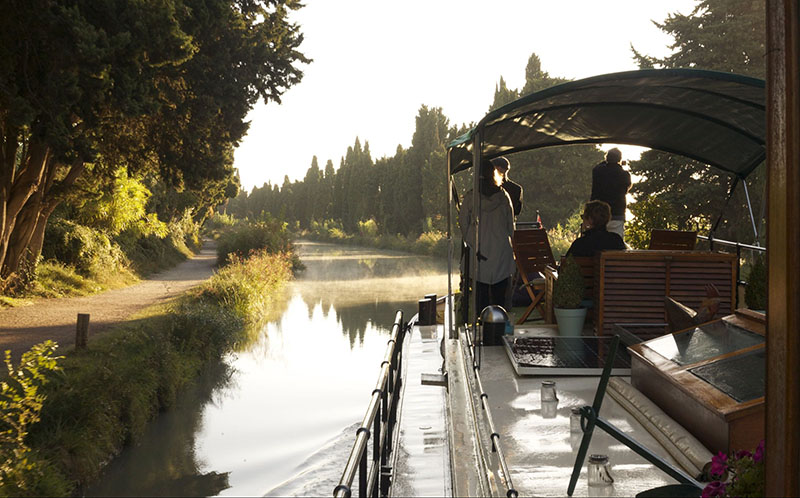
[26,239]
[19,186]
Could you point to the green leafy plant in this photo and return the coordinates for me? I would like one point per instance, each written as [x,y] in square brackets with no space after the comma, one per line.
[740,474]
[20,406]
[755,294]
[569,288]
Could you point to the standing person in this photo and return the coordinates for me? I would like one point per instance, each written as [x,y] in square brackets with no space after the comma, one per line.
[610,184]
[513,189]
[495,255]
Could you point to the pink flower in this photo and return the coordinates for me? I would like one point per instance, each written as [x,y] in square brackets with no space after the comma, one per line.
[743,454]
[715,488]
[759,454]
[719,464]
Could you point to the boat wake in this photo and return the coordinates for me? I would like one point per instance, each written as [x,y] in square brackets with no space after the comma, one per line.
[320,472]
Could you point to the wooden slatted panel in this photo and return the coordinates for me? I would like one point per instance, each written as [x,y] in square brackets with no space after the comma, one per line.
[634,284]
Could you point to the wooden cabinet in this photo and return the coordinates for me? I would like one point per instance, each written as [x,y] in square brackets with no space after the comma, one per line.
[710,379]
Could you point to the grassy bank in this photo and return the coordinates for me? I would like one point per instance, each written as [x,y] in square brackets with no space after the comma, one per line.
[433,243]
[104,397]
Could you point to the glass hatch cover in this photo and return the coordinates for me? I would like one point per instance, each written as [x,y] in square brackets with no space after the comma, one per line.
[705,342]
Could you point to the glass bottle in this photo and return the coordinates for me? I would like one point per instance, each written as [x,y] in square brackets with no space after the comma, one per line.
[548,391]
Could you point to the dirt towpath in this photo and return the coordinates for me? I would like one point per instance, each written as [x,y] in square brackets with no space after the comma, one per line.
[22,327]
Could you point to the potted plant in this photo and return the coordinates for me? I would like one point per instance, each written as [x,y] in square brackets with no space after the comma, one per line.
[567,296]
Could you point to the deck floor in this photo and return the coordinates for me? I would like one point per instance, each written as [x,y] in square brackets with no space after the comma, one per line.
[539,446]
[422,463]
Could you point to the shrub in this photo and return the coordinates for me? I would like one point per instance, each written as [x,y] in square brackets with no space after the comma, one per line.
[755,294]
[20,406]
[218,221]
[89,251]
[268,234]
[368,228]
[433,242]
[562,236]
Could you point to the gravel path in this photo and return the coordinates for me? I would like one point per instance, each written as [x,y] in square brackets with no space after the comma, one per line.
[22,327]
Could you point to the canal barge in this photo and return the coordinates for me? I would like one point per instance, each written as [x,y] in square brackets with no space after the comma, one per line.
[451,416]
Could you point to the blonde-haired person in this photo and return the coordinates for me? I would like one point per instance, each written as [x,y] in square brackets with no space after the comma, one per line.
[595,237]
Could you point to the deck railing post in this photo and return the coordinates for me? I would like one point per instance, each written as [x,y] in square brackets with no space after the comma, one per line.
[362,476]
[376,450]
[375,479]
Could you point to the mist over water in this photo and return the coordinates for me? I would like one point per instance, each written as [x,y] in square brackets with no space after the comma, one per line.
[279,419]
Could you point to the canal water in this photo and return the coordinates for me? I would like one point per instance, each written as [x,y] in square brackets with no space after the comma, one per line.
[279,418]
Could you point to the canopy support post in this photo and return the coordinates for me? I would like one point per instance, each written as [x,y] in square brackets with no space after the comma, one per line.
[450,303]
[750,209]
[475,222]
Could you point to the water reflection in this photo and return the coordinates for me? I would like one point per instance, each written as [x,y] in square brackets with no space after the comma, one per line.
[164,463]
[281,423]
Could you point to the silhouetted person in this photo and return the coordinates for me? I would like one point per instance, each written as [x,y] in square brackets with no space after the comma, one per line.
[495,255]
[610,184]
[595,237]
[513,189]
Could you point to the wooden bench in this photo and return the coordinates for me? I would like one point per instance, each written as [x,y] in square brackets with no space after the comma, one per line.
[628,287]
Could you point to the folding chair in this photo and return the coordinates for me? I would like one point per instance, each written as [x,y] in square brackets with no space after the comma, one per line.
[532,253]
[672,240]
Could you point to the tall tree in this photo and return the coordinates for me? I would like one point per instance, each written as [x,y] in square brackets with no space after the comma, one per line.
[425,166]
[155,85]
[556,180]
[721,35]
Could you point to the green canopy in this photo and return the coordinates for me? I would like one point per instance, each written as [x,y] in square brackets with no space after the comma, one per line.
[716,118]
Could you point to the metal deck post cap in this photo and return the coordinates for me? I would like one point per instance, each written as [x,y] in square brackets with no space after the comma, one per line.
[494,314]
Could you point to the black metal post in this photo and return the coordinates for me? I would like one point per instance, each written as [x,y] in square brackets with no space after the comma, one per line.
[362,476]
[589,415]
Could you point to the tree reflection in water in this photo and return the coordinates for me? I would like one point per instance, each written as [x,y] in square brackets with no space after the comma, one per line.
[164,463]
[280,417]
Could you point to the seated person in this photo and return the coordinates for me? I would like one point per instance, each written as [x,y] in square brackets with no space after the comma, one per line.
[595,237]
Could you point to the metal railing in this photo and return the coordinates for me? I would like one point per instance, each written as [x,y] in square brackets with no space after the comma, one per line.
[374,474]
[739,247]
[494,435]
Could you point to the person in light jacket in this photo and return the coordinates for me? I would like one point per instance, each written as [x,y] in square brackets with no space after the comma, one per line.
[495,254]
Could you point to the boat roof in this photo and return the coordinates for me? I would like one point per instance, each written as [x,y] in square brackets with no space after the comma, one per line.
[713,117]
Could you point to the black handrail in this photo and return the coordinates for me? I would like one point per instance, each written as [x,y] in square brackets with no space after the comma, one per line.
[380,417]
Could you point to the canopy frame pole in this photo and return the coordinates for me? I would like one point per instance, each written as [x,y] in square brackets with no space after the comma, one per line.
[750,208]
[475,222]
[450,303]
[721,213]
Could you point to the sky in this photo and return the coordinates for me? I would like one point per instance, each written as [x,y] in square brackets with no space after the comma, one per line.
[375,62]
